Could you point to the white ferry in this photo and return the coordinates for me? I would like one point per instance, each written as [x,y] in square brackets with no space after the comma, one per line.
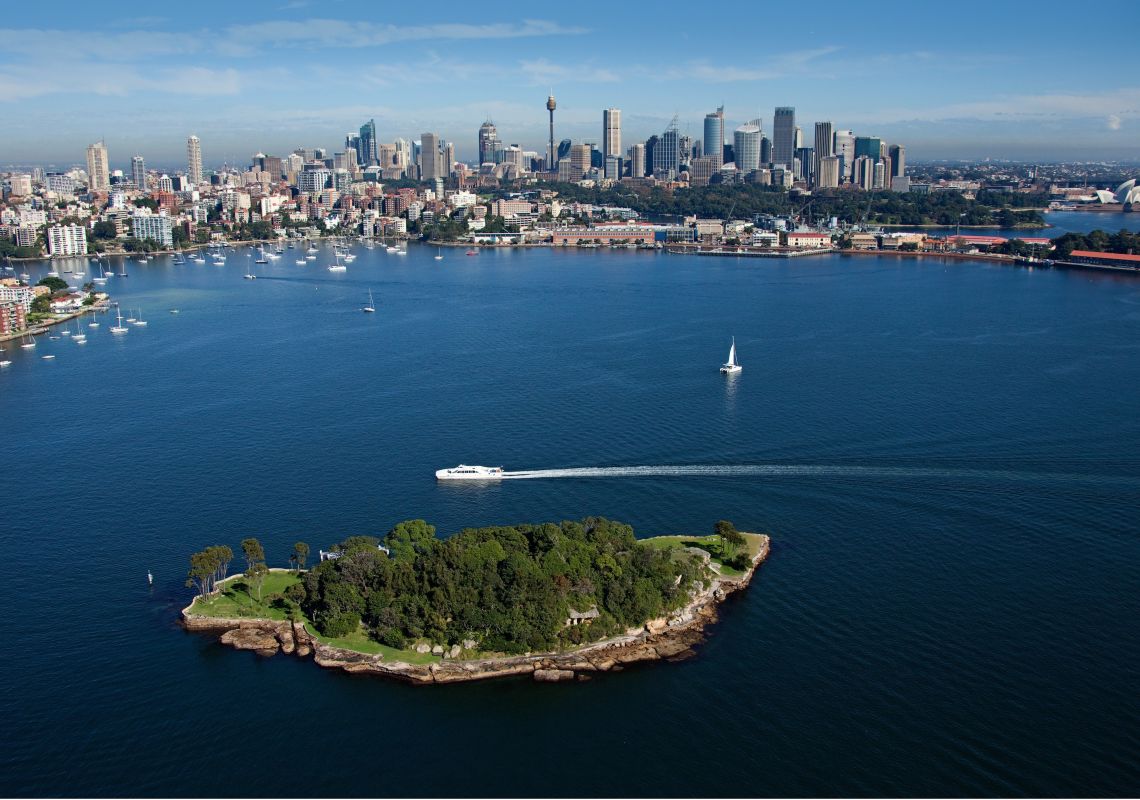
[469,473]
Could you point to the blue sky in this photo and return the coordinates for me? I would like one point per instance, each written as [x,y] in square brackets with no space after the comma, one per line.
[997,78]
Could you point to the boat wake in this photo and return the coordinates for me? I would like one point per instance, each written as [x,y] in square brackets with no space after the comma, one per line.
[816,470]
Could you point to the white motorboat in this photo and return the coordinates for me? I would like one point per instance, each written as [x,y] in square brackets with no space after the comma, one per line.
[732,366]
[465,472]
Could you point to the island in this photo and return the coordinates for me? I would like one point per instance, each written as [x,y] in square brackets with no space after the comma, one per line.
[557,601]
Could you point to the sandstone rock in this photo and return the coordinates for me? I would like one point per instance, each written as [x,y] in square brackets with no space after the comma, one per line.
[585,677]
[437,650]
[303,651]
[657,625]
[285,637]
[423,648]
[263,642]
[454,651]
[553,675]
[470,644]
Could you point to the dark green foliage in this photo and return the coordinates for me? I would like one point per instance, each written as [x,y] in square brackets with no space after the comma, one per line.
[337,623]
[104,230]
[1098,241]
[53,283]
[295,592]
[509,588]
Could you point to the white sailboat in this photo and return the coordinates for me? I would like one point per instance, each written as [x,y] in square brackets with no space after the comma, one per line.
[92,323]
[371,306]
[120,328]
[439,254]
[732,366]
[337,267]
[79,336]
[140,321]
[249,276]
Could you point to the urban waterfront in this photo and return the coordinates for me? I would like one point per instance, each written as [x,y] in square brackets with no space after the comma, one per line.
[944,452]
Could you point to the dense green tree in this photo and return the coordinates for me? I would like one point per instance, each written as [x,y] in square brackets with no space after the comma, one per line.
[300,555]
[508,587]
[409,538]
[53,283]
[104,230]
[253,551]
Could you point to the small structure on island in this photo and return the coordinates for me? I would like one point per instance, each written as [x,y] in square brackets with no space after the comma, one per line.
[333,555]
[579,617]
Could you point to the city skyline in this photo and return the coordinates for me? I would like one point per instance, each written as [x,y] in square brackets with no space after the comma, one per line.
[293,76]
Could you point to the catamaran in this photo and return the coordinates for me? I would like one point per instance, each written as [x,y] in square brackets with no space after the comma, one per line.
[465,472]
[731,367]
[371,306]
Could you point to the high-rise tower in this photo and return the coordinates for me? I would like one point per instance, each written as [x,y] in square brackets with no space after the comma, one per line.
[611,133]
[368,152]
[746,148]
[98,173]
[194,160]
[488,135]
[713,144]
[824,141]
[550,104]
[784,136]
[138,173]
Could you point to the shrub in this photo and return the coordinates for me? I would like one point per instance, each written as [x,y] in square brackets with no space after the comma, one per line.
[392,637]
[336,624]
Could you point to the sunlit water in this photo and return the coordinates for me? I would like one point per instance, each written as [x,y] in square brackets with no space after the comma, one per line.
[947,455]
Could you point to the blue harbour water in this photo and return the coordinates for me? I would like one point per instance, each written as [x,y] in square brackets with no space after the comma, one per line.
[946,453]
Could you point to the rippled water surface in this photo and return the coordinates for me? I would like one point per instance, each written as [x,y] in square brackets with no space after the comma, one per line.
[947,455]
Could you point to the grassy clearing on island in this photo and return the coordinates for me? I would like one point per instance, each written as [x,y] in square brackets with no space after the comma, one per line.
[752,543]
[236,600]
[359,642]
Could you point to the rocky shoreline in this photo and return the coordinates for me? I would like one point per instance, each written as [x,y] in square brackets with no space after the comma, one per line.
[666,638]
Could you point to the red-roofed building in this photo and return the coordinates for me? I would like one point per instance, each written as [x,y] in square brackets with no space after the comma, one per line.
[1109,260]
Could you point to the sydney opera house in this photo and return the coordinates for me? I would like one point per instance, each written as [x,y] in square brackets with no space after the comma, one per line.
[1127,194]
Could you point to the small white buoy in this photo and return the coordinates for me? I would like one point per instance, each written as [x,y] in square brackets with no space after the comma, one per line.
[149,578]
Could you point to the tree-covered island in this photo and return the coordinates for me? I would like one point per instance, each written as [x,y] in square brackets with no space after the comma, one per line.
[544,598]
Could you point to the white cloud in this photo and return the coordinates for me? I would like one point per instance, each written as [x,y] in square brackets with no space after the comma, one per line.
[314,33]
[541,72]
[248,40]
[1113,122]
[120,80]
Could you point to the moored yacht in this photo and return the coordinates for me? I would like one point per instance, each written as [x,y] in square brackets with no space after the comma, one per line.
[465,472]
